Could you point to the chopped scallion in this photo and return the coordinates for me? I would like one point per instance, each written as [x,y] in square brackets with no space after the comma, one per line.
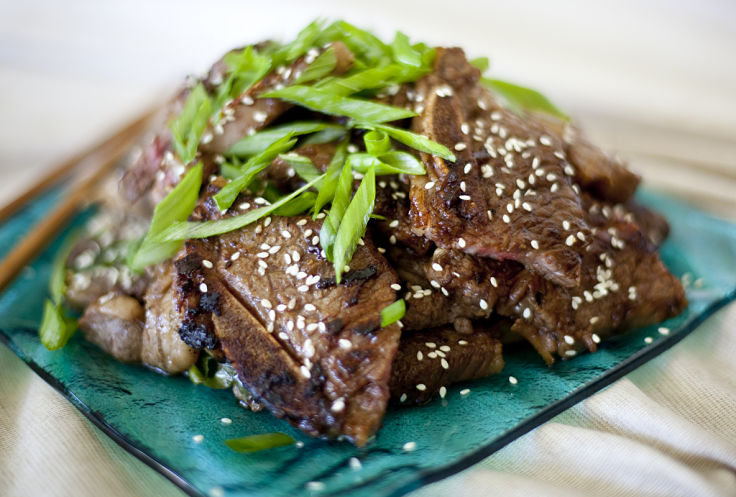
[392,313]
[262,441]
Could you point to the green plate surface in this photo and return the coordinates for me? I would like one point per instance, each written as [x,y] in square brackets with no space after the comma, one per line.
[156,418]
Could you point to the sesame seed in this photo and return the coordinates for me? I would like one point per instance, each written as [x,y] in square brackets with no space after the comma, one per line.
[203,287]
[596,338]
[315,486]
[570,240]
[594,320]
[506,218]
[464,197]
[402,398]
[545,140]
[648,340]
[461,242]
[420,356]
[513,380]
[462,342]
[571,353]
[465,391]
[338,405]
[569,340]
[355,463]
[431,345]
[393,224]
[235,256]
[444,291]
[410,446]
[305,372]
[535,244]
[494,282]
[527,313]
[566,224]
[443,392]
[303,289]
[429,185]
[444,364]
[309,307]
[460,146]
[663,331]
[226,421]
[345,344]
[483,304]
[301,222]
[421,387]
[198,438]
[266,303]
[207,264]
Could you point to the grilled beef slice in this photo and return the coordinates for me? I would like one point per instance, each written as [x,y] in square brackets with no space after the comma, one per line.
[432,359]
[510,187]
[311,350]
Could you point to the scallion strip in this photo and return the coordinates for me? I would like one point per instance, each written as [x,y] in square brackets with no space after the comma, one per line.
[376,142]
[354,222]
[413,140]
[188,126]
[519,98]
[327,188]
[176,206]
[225,197]
[262,441]
[323,65]
[336,105]
[403,52]
[392,313]
[260,141]
[185,230]
[392,162]
[301,165]
[331,224]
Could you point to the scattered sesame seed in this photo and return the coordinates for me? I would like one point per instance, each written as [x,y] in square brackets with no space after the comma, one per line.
[570,240]
[338,405]
[216,492]
[444,364]
[443,392]
[465,391]
[305,372]
[226,421]
[461,242]
[545,140]
[648,340]
[506,218]
[513,380]
[527,313]
[596,338]
[462,342]
[203,287]
[594,319]
[345,344]
[421,387]
[266,303]
[420,356]
[410,446]
[494,283]
[429,185]
[663,331]
[571,353]
[483,304]
[355,464]
[315,486]
[198,438]
[535,244]
[460,146]
[301,222]
[207,264]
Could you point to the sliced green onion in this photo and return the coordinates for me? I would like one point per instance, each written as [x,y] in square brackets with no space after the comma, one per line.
[300,204]
[220,377]
[404,53]
[327,135]
[413,140]
[392,162]
[301,165]
[263,441]
[246,68]
[368,79]
[343,192]
[176,206]
[392,313]
[336,105]
[306,39]
[519,98]
[185,230]
[225,197]
[56,328]
[481,63]
[187,128]
[363,44]
[327,188]
[354,222]
[230,171]
[323,65]
[377,142]
[260,141]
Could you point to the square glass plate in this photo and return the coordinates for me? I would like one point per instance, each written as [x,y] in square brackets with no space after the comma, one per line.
[155,418]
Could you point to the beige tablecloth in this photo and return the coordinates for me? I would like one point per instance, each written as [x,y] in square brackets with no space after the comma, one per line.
[653,80]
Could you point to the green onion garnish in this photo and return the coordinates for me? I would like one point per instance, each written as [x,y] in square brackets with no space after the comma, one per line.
[188,127]
[481,63]
[392,313]
[413,140]
[519,98]
[246,68]
[331,224]
[336,105]
[392,162]
[354,222]
[176,206]
[404,53]
[260,141]
[301,165]
[184,230]
[225,197]
[262,441]
[327,188]
[323,65]
[376,142]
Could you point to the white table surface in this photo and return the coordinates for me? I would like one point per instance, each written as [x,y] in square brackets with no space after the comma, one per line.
[654,80]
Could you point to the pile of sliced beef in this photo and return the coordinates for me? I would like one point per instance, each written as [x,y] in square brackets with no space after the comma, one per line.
[531,232]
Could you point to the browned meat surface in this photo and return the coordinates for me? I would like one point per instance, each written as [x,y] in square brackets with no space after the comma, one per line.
[604,177]
[283,175]
[393,203]
[309,350]
[429,360]
[510,188]
[163,348]
[114,322]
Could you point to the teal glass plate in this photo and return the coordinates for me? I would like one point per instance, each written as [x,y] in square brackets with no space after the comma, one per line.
[156,418]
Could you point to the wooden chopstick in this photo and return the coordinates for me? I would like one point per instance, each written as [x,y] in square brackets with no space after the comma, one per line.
[126,134]
[101,161]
